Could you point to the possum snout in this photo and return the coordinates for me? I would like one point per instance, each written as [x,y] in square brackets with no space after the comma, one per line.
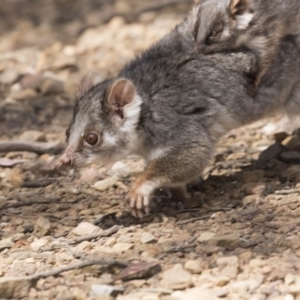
[66,159]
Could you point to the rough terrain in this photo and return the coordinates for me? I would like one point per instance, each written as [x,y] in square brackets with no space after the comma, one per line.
[71,236]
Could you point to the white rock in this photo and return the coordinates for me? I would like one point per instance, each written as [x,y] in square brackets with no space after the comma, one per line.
[194,266]
[110,242]
[176,278]
[289,279]
[288,297]
[205,236]
[122,247]
[148,238]
[85,228]
[120,168]
[105,184]
[208,280]
[39,243]
[195,294]
[6,243]
[103,289]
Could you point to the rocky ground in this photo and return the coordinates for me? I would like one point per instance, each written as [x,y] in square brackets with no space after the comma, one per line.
[71,236]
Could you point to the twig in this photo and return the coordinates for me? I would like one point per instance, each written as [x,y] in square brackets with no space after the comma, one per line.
[80,265]
[287,192]
[89,237]
[36,184]
[36,147]
[67,243]
[29,203]
[183,222]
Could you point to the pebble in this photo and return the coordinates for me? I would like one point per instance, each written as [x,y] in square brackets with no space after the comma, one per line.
[42,227]
[291,172]
[9,76]
[193,266]
[148,238]
[290,157]
[229,241]
[51,86]
[122,247]
[176,278]
[254,188]
[14,287]
[105,184]
[196,293]
[85,228]
[103,289]
[6,243]
[37,244]
[291,142]
[205,236]
[32,136]
[23,94]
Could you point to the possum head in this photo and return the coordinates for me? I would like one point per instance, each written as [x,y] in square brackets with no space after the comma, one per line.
[216,23]
[104,122]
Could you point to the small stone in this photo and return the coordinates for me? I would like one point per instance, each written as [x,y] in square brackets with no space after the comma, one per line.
[254,188]
[122,247]
[280,136]
[196,293]
[85,228]
[176,278]
[229,241]
[32,81]
[194,266]
[227,260]
[103,289]
[110,242]
[291,142]
[290,157]
[52,86]
[14,287]
[148,238]
[205,236]
[6,244]
[139,271]
[32,136]
[289,279]
[252,176]
[42,227]
[9,76]
[105,184]
[23,94]
[249,285]
[291,172]
[272,152]
[208,280]
[119,168]
[38,244]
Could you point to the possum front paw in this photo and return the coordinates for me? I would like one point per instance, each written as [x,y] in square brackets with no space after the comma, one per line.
[138,199]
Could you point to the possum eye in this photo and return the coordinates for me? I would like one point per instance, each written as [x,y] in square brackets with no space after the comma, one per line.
[214,34]
[91,138]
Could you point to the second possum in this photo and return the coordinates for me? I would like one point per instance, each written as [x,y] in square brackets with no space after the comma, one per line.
[258,25]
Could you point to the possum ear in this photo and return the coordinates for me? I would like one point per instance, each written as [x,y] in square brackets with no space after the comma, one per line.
[239,7]
[90,80]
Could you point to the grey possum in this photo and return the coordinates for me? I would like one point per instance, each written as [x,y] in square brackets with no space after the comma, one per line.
[170,105]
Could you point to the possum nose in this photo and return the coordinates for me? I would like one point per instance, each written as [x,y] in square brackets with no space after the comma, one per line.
[66,159]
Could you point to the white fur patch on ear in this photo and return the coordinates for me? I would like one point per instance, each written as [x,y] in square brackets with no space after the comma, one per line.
[244,20]
[132,114]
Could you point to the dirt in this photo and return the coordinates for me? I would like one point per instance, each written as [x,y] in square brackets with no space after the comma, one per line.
[71,236]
